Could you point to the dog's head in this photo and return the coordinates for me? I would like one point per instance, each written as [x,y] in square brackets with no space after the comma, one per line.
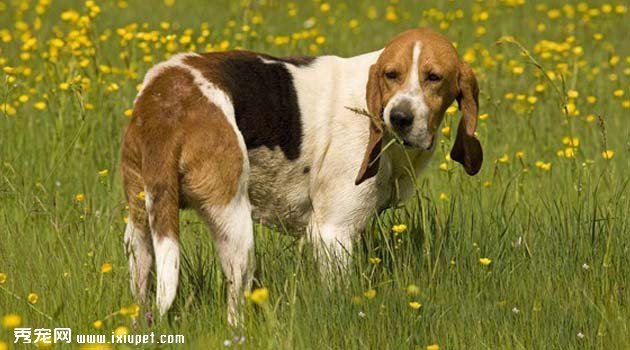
[415,79]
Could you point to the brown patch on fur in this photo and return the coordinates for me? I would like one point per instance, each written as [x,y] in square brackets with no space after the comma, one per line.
[467,148]
[178,146]
[211,159]
[131,168]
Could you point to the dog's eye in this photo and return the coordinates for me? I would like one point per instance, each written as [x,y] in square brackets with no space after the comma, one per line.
[391,75]
[433,77]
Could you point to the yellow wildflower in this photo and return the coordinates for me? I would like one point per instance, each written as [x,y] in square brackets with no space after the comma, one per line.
[370,293]
[112,87]
[572,109]
[121,331]
[542,165]
[10,321]
[608,154]
[134,310]
[571,141]
[485,261]
[124,310]
[415,305]
[79,197]
[258,296]
[375,260]
[106,268]
[3,277]
[32,298]
[569,152]
[98,324]
[103,173]
[7,108]
[399,228]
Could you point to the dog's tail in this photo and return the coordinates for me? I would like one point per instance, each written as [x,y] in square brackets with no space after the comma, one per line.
[151,182]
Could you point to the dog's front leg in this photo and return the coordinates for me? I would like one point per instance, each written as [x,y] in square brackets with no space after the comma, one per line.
[332,244]
[338,218]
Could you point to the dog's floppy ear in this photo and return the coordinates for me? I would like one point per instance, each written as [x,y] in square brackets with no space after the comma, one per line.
[467,149]
[370,163]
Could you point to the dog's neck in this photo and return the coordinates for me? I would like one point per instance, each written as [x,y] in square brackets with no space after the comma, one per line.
[355,74]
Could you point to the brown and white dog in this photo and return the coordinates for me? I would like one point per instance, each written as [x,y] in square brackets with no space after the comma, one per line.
[240,136]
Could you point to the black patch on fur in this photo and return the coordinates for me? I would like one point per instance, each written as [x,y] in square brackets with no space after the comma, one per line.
[264,98]
[307,169]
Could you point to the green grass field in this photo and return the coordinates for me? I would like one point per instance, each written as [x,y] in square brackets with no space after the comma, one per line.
[549,209]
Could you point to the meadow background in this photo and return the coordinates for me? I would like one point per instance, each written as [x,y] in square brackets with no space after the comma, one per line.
[532,253]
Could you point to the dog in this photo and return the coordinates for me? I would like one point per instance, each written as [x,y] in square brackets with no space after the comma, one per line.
[243,137]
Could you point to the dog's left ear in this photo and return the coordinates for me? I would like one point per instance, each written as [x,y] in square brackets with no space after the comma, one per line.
[370,163]
[467,148]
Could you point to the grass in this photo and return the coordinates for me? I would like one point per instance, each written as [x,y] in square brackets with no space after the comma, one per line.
[551,214]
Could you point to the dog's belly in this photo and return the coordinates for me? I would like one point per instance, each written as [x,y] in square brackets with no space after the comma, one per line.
[278,190]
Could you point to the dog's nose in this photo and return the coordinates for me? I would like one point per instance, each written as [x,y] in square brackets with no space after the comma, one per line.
[400,120]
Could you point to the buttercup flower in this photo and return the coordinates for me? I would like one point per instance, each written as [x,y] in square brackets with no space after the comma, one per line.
[415,305]
[608,154]
[370,293]
[32,298]
[485,261]
[10,321]
[400,228]
[106,268]
[258,296]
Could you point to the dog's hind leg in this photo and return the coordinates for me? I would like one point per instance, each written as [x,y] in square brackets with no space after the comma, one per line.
[215,182]
[162,203]
[160,175]
[216,174]
[233,233]
[139,250]
[138,246]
